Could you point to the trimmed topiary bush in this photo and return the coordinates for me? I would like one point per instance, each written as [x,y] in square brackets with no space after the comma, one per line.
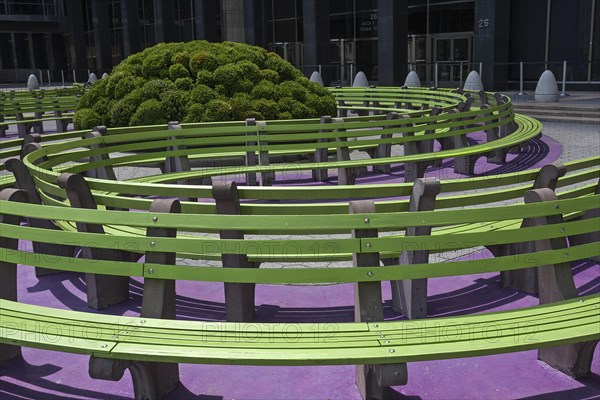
[150,112]
[201,81]
[86,118]
[177,71]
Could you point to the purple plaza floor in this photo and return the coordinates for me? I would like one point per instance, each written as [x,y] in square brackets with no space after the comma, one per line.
[52,375]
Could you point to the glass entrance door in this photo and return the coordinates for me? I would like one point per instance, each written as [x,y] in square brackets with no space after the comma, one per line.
[343,54]
[453,57]
[289,51]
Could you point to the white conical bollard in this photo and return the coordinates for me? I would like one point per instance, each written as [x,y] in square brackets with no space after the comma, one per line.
[412,80]
[104,75]
[93,78]
[316,77]
[360,80]
[547,88]
[473,82]
[32,82]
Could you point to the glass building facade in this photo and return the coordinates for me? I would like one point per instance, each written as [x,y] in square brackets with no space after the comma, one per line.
[441,39]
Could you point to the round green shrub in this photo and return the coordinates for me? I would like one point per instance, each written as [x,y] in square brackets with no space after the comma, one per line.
[194,113]
[284,115]
[181,57]
[86,118]
[217,110]
[203,81]
[153,89]
[266,90]
[249,70]
[294,90]
[174,104]
[205,77]
[268,108]
[269,75]
[186,84]
[102,108]
[202,94]
[177,71]
[123,88]
[150,112]
[122,111]
[203,60]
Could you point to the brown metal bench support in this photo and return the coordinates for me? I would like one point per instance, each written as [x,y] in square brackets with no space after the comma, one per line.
[410,296]
[239,297]
[151,380]
[102,290]
[8,271]
[373,381]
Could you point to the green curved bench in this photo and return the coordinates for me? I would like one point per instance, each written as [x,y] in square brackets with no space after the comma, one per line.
[151,348]
[28,110]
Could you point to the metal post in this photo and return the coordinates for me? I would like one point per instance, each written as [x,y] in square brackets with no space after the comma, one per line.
[48,73]
[435,78]
[74,77]
[41,78]
[351,74]
[564,82]
[521,79]
[62,75]
[320,73]
[480,68]
[461,73]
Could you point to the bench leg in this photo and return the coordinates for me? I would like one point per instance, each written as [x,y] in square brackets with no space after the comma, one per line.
[8,271]
[574,360]
[410,296]
[51,250]
[384,150]
[415,170]
[105,290]
[25,182]
[321,155]
[524,280]
[465,165]
[150,380]
[239,297]
[497,156]
[374,381]
[239,302]
[23,129]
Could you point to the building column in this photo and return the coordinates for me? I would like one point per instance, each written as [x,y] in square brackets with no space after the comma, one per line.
[31,51]
[78,50]
[232,21]
[316,37]
[59,56]
[205,13]
[253,23]
[164,15]
[131,27]
[490,42]
[13,49]
[392,41]
[100,15]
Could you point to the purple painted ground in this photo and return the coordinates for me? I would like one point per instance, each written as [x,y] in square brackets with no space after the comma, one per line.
[536,154]
[51,375]
[45,374]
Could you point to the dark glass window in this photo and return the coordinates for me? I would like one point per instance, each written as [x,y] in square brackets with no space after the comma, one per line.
[28,7]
